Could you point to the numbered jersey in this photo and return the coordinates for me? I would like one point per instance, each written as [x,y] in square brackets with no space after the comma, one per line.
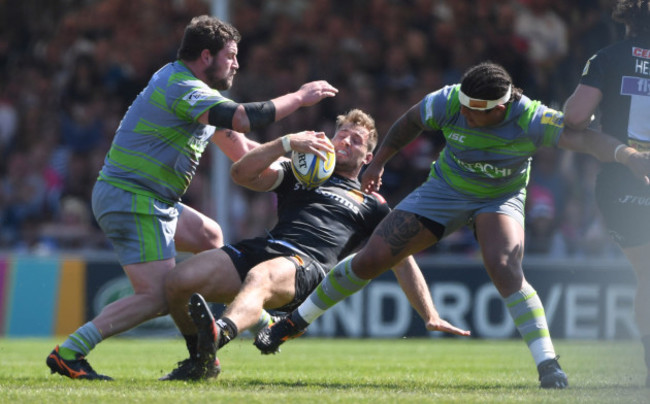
[622,73]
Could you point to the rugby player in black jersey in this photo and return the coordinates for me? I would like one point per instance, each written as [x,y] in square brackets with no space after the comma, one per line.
[316,228]
[616,82]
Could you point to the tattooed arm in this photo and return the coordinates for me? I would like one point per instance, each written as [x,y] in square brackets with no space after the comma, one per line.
[232,143]
[404,130]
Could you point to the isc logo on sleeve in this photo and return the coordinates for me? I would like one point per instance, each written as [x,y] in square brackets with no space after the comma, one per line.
[195,96]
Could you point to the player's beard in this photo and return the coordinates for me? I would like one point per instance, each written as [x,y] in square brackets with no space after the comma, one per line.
[346,164]
[215,82]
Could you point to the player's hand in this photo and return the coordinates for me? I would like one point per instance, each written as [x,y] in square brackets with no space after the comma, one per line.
[309,141]
[439,324]
[314,91]
[639,163]
[371,178]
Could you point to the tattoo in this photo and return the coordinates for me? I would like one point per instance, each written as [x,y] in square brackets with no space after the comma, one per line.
[231,135]
[402,132]
[398,229]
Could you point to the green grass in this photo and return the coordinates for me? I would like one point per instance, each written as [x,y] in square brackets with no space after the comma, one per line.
[331,370]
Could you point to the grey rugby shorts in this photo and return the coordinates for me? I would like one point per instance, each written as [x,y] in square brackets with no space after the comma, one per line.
[140,228]
[438,202]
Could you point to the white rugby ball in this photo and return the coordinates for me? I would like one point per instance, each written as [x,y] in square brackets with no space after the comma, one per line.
[311,170]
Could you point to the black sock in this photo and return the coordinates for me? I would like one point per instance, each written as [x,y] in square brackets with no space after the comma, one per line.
[191,341]
[227,331]
[297,320]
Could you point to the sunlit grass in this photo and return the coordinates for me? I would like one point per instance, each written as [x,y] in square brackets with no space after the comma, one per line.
[332,370]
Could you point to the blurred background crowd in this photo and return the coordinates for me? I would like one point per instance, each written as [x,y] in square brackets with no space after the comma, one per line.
[70,68]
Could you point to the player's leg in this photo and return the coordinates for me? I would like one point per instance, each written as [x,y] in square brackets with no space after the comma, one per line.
[639,258]
[270,283]
[501,238]
[399,235]
[141,230]
[196,232]
[212,274]
[265,319]
[628,222]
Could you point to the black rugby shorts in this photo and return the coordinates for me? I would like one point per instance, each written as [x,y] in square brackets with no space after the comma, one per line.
[624,201]
[247,254]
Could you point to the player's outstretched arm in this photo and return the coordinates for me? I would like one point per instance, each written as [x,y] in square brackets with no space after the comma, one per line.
[606,148]
[255,170]
[414,285]
[232,143]
[309,94]
[257,115]
[402,132]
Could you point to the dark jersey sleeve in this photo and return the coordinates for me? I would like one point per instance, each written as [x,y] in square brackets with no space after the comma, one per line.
[621,72]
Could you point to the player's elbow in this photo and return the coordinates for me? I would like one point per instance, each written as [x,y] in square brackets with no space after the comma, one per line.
[241,176]
[237,174]
[240,121]
[576,120]
[575,116]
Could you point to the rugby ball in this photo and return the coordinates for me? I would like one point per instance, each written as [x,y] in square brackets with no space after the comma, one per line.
[311,170]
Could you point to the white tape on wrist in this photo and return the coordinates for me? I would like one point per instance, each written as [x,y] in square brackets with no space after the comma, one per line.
[618,148]
[286,143]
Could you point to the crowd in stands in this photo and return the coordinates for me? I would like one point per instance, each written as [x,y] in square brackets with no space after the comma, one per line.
[70,69]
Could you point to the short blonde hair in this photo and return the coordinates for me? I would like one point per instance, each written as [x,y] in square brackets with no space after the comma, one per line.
[359,118]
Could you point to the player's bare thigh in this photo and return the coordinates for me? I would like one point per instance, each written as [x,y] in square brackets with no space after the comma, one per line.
[399,235]
[274,280]
[210,273]
[196,232]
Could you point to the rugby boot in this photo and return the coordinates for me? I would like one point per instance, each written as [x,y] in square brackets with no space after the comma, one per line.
[77,368]
[208,331]
[269,339]
[551,375]
[190,370]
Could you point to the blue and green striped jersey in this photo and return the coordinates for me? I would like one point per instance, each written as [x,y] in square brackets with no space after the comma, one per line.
[489,161]
[158,144]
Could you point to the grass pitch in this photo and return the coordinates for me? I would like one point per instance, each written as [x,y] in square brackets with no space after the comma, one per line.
[331,371]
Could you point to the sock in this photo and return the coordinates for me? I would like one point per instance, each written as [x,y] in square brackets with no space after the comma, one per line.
[339,283]
[81,342]
[527,311]
[191,342]
[227,331]
[264,320]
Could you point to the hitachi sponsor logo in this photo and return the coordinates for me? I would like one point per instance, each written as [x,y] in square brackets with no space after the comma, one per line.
[635,200]
[485,168]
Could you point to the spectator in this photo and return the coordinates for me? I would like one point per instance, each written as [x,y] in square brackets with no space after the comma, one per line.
[359,45]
